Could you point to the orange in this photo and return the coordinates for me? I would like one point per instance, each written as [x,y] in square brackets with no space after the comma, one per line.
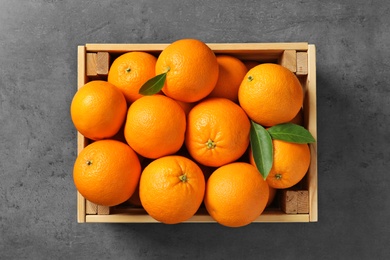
[217,132]
[290,164]
[98,110]
[236,194]
[231,73]
[155,126]
[192,70]
[270,94]
[130,71]
[107,172]
[171,189]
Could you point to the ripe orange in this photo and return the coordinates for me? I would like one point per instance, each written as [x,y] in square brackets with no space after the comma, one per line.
[98,110]
[130,71]
[270,94]
[236,194]
[231,73]
[155,126]
[106,172]
[192,70]
[171,189]
[217,132]
[290,164]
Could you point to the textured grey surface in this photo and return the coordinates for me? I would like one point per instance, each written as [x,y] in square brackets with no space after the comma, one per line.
[38,43]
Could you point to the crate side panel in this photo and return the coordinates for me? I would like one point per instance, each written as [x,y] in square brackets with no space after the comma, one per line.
[267,217]
[121,48]
[81,80]
[311,125]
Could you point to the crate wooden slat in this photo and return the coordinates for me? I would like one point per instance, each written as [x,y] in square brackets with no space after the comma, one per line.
[81,140]
[102,63]
[289,60]
[222,47]
[310,117]
[139,216]
[295,201]
[282,53]
[302,201]
[289,201]
[91,208]
[302,63]
[103,210]
[91,65]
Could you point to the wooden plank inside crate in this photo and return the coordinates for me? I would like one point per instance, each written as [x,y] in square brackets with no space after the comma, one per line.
[91,65]
[90,208]
[289,201]
[302,201]
[97,64]
[289,60]
[103,210]
[295,201]
[102,63]
[302,63]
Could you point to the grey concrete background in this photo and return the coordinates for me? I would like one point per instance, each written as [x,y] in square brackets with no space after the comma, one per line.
[38,42]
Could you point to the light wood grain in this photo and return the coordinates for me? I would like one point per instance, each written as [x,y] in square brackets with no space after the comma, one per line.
[102,63]
[91,64]
[266,217]
[289,201]
[81,66]
[81,80]
[103,210]
[229,47]
[311,124]
[90,208]
[302,201]
[289,60]
[302,63]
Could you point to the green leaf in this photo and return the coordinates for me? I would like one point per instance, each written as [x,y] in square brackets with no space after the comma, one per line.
[291,133]
[262,148]
[153,85]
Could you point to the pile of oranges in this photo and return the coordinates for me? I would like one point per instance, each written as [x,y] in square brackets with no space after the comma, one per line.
[187,144]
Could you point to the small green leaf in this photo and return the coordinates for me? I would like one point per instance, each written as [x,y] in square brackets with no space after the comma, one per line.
[291,133]
[153,85]
[262,149]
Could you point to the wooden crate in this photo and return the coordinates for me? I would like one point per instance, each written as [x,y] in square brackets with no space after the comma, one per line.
[294,205]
